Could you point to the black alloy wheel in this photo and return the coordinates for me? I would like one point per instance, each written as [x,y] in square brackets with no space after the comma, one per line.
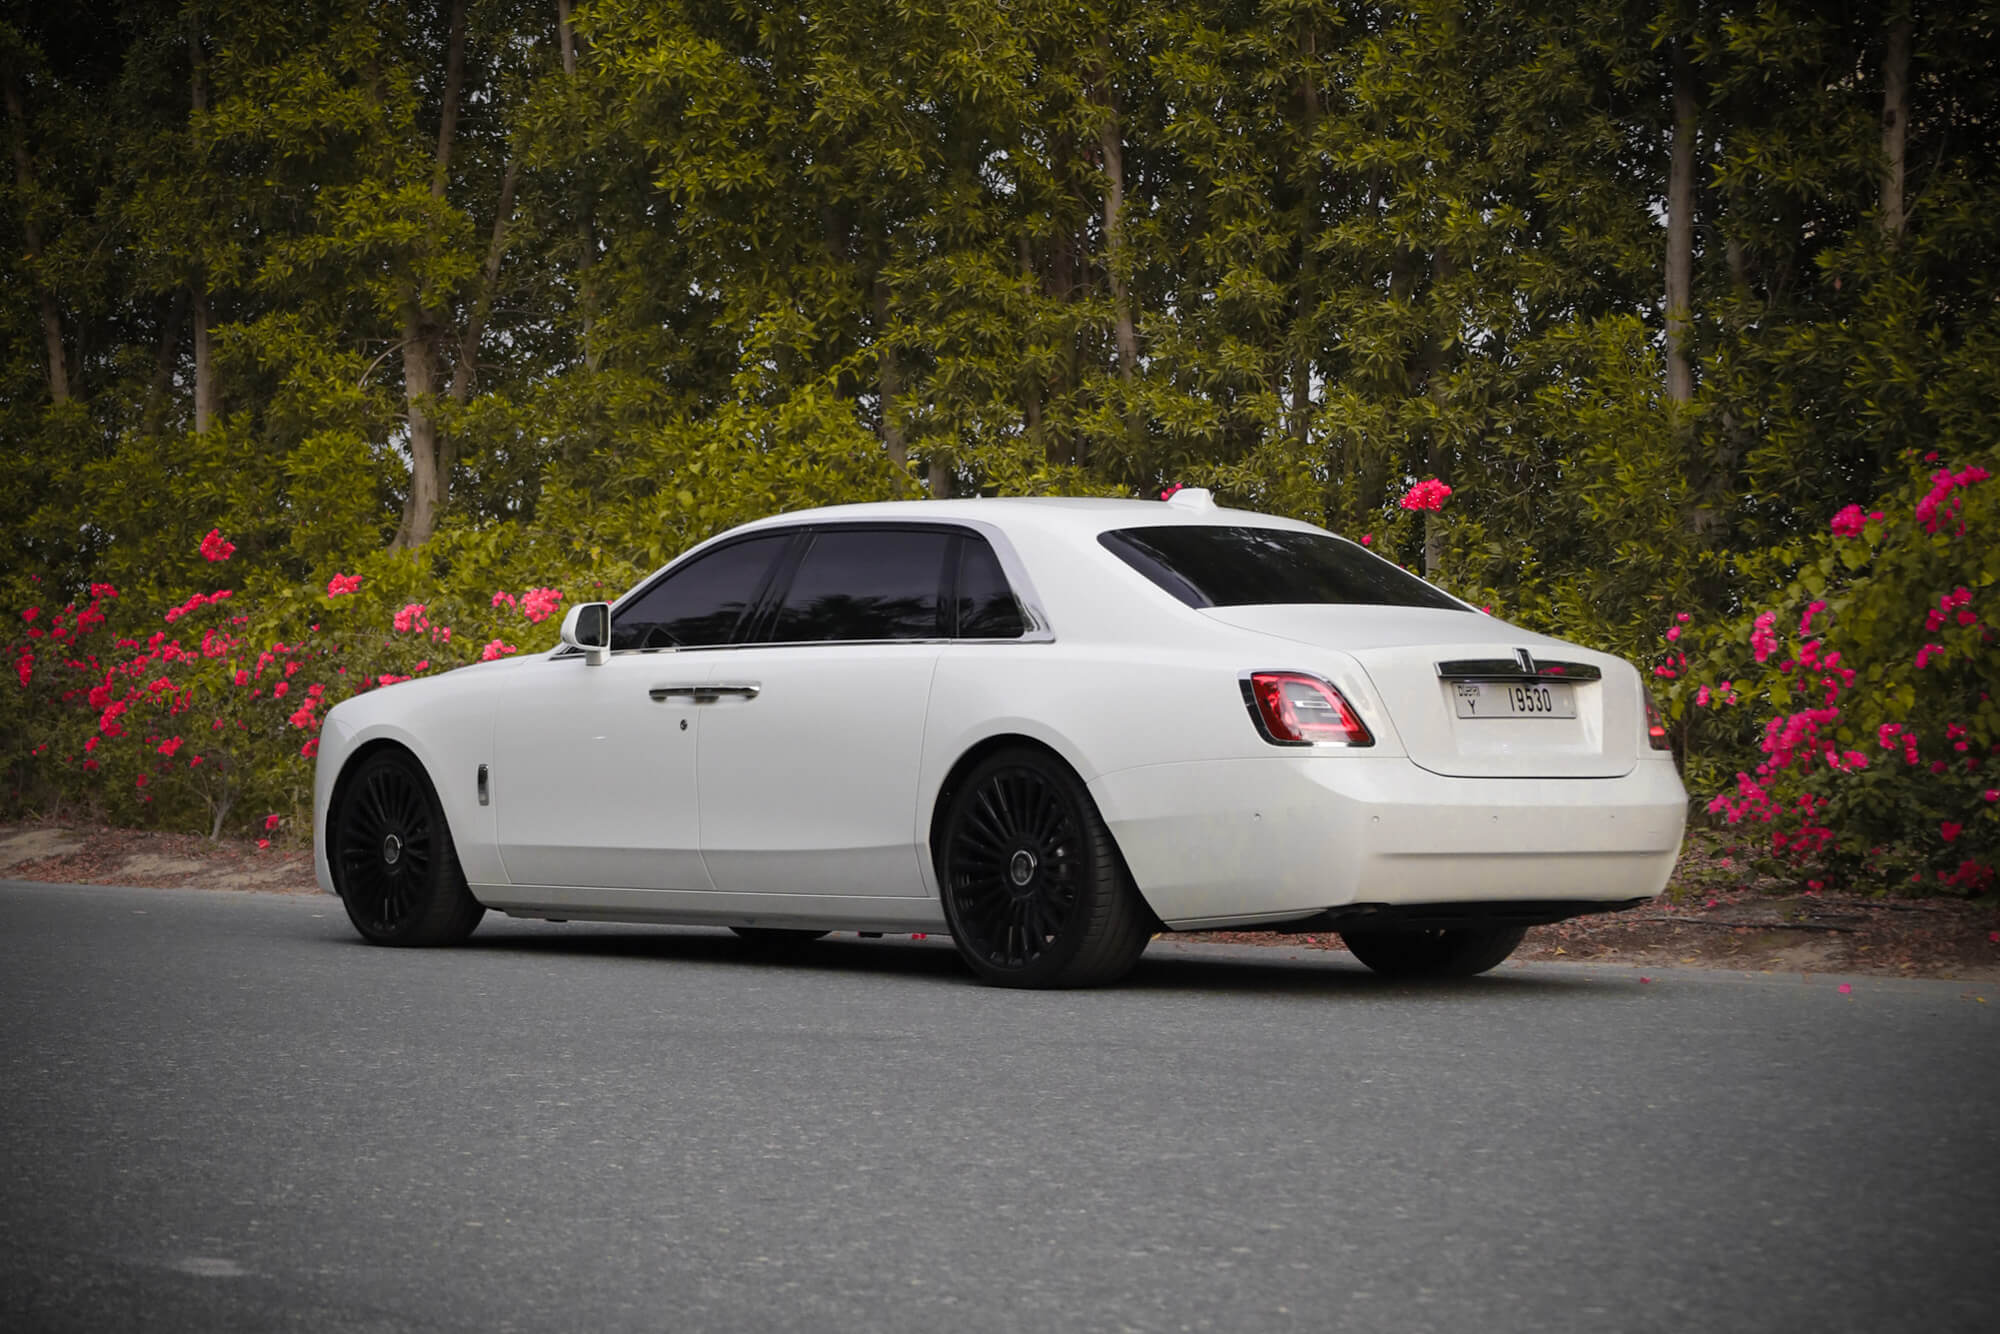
[1035,892]
[1436,952]
[392,857]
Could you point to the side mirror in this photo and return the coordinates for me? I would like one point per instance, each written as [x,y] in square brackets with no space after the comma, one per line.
[588,627]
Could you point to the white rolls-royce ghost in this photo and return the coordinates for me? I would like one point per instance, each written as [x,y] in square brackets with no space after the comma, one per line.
[1048,727]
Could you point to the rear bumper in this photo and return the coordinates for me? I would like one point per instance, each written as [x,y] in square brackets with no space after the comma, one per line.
[1247,842]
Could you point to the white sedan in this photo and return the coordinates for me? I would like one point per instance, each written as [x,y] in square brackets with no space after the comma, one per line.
[1048,727]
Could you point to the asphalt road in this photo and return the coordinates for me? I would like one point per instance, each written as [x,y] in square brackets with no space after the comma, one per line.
[222,1112]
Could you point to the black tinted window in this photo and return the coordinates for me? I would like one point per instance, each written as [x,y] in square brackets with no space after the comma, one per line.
[1207,566]
[986,605]
[864,584]
[701,602]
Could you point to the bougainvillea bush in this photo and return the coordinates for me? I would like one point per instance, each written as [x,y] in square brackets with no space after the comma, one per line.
[208,710]
[1846,721]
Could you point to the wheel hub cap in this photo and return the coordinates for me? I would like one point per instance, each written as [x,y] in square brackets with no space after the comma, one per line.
[1021,869]
[392,850]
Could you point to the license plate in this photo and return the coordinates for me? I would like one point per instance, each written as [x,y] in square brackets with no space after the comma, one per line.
[1510,699]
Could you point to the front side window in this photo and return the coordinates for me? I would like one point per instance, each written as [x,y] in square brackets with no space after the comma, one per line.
[701,603]
[1211,565]
[865,584]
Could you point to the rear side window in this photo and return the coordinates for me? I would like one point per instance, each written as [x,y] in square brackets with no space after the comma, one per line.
[987,608]
[863,584]
[1214,566]
[702,602]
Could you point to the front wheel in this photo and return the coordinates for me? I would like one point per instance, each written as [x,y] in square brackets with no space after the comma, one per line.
[392,857]
[1437,953]
[1035,893]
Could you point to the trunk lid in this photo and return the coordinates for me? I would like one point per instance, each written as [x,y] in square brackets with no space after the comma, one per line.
[1402,650]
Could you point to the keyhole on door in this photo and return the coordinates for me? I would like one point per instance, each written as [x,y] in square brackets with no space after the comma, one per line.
[684,724]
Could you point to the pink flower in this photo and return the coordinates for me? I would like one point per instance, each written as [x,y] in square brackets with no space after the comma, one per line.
[215,548]
[1168,494]
[1684,617]
[1846,987]
[1950,830]
[1989,795]
[167,748]
[1429,494]
[538,604]
[1367,539]
[1850,522]
[501,597]
[1673,634]
[263,843]
[1701,698]
[270,822]
[1926,653]
[310,749]
[342,584]
[410,618]
[495,649]
[242,676]
[278,691]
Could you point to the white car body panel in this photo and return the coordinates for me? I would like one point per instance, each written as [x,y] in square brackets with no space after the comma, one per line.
[812,803]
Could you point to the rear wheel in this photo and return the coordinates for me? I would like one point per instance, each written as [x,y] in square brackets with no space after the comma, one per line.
[392,857]
[1445,952]
[1035,892]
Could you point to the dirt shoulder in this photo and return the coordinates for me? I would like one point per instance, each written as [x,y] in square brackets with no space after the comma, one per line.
[1715,915]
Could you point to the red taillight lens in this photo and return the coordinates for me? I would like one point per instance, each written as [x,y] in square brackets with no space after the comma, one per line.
[1294,709]
[1656,726]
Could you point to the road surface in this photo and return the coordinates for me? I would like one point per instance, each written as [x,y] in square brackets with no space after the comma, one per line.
[223,1112]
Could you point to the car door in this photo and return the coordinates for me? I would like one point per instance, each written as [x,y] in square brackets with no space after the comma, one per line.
[594,778]
[809,772]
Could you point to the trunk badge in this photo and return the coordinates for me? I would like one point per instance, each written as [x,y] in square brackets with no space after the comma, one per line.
[1527,661]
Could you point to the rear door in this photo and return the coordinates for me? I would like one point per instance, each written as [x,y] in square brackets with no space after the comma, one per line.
[810,750]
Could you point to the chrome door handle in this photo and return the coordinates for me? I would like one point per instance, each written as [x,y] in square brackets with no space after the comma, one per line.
[706,694]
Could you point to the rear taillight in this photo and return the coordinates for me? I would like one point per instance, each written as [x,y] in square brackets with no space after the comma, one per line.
[1656,726]
[1294,709]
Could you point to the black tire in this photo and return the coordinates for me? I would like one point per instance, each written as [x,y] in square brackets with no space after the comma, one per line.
[393,860]
[776,935]
[1441,953]
[1035,893]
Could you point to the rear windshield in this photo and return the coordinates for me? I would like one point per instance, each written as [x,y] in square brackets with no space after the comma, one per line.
[1212,566]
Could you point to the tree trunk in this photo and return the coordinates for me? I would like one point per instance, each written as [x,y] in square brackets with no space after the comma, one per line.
[1895,124]
[164,359]
[31,236]
[420,509]
[204,359]
[943,478]
[888,379]
[454,82]
[586,254]
[1680,232]
[1112,141]
[1306,275]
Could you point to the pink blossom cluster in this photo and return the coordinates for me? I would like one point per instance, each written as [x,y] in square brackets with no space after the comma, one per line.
[1940,506]
[1955,601]
[195,603]
[537,604]
[215,547]
[1851,522]
[495,649]
[411,617]
[342,584]
[1429,494]
[1762,642]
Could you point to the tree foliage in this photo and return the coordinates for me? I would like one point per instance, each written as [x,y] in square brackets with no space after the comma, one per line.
[529,288]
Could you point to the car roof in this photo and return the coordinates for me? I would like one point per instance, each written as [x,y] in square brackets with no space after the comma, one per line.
[1081,516]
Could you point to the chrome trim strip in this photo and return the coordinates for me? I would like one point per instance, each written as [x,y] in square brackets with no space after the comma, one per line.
[707,694]
[1513,669]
